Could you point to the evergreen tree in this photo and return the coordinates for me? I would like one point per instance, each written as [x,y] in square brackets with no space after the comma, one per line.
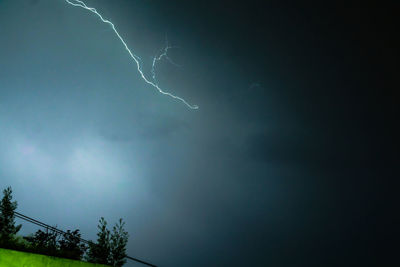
[7,218]
[119,240]
[100,252]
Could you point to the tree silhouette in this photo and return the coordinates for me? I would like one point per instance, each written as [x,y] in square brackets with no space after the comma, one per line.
[100,252]
[8,229]
[110,247]
[52,243]
[45,242]
[71,246]
[119,240]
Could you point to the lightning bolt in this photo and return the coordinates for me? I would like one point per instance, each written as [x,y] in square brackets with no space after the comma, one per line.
[78,3]
[163,54]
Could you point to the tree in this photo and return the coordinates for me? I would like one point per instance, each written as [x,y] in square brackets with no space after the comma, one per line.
[8,229]
[110,247]
[52,243]
[100,252]
[71,246]
[45,242]
[119,240]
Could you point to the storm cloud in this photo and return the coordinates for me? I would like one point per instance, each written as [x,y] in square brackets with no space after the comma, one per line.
[282,165]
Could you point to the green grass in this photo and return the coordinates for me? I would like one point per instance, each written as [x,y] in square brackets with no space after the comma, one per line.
[12,258]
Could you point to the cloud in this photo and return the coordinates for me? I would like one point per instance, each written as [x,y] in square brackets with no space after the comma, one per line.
[311,149]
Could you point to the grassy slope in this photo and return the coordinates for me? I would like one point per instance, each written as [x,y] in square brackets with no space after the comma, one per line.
[12,258]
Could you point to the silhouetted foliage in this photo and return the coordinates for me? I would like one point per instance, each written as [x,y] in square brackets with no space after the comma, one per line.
[110,247]
[100,252]
[119,240]
[45,242]
[7,218]
[51,243]
[71,245]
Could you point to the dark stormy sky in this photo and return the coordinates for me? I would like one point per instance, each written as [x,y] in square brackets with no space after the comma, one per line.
[287,162]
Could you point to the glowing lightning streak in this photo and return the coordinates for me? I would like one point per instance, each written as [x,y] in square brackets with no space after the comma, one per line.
[78,3]
[160,57]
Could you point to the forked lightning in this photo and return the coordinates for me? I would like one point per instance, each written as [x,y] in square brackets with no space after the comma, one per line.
[78,3]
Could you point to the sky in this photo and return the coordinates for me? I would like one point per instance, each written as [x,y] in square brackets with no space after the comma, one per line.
[287,162]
